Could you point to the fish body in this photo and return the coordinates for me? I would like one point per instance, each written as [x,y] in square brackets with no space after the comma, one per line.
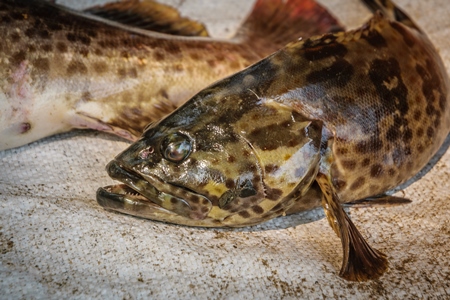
[324,121]
[61,69]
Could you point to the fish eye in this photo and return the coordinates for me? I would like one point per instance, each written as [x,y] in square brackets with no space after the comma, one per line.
[176,147]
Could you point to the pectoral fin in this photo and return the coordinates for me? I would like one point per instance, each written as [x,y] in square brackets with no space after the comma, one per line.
[360,262]
[85,121]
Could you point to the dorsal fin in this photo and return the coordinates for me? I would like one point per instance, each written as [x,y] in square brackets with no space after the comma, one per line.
[149,15]
[270,26]
[275,23]
[391,11]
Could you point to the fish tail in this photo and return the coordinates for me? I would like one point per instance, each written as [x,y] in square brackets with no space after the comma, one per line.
[391,11]
[275,23]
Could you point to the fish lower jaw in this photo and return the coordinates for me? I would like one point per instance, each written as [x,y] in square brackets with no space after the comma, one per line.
[116,197]
[168,196]
[125,191]
[123,199]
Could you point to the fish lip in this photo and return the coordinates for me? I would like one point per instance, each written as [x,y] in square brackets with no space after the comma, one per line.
[137,196]
[110,198]
[129,190]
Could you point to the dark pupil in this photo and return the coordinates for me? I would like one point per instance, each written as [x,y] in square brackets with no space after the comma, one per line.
[176,147]
[177,151]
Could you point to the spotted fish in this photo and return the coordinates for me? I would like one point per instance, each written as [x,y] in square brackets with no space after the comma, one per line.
[61,69]
[324,121]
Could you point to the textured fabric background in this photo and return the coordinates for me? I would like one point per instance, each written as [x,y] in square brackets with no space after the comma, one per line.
[56,242]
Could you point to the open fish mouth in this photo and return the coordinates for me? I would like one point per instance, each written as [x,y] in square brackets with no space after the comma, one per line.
[137,196]
[124,199]
[131,196]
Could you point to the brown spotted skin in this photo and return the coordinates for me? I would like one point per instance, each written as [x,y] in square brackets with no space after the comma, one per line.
[372,105]
[387,109]
[62,70]
[324,121]
[106,77]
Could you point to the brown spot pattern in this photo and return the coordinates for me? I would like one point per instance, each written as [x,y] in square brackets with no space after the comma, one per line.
[19,57]
[100,67]
[365,162]
[338,74]
[271,168]
[372,145]
[349,164]
[269,138]
[273,193]
[325,51]
[231,159]
[42,64]
[76,67]
[86,96]
[245,214]
[194,199]
[77,37]
[229,183]
[358,183]
[375,39]
[61,47]
[257,209]
[159,55]
[376,170]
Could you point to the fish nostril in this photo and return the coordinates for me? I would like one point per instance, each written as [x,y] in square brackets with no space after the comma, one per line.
[145,153]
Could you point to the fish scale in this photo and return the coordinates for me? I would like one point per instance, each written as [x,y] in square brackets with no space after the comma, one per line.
[385,140]
[94,71]
[333,119]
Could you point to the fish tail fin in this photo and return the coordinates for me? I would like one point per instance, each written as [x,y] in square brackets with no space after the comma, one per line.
[274,23]
[391,11]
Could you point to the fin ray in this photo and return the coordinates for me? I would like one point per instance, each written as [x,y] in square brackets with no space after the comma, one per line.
[85,121]
[360,261]
[381,200]
[275,23]
[149,15]
[394,13]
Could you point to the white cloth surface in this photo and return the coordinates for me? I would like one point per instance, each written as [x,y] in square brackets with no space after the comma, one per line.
[57,242]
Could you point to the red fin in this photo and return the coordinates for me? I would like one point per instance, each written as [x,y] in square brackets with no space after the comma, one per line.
[275,23]
[149,15]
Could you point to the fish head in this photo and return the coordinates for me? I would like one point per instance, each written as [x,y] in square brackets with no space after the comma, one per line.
[171,168]
[225,158]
